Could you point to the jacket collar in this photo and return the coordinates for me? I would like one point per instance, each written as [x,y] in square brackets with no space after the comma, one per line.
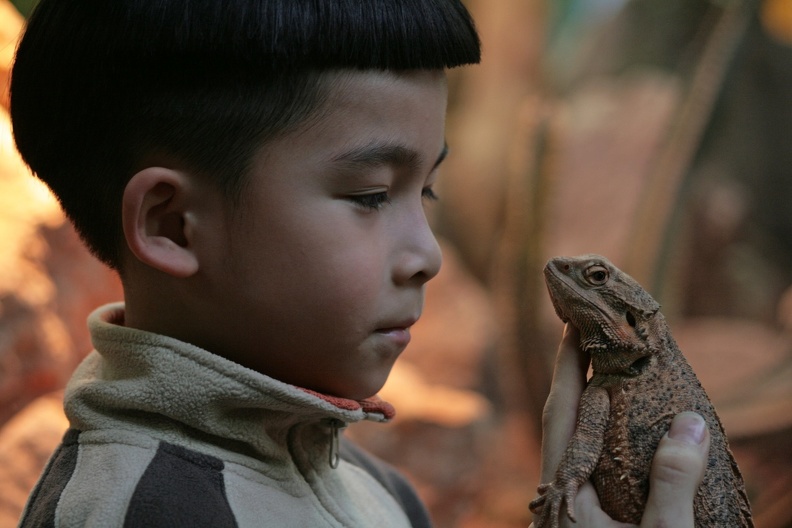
[140,379]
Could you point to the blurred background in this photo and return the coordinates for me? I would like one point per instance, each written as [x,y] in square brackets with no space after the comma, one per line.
[655,132]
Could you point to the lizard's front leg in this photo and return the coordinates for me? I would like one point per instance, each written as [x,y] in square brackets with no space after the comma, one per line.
[579,460]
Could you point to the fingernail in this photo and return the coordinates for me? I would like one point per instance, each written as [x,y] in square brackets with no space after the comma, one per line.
[688,427]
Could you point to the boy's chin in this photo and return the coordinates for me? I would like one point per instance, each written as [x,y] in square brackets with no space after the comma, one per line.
[359,390]
[361,394]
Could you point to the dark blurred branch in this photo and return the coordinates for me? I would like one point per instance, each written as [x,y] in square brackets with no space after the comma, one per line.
[647,243]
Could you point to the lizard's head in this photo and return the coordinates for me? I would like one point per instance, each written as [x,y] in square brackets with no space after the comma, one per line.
[614,314]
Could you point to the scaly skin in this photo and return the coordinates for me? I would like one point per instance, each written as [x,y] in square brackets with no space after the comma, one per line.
[640,382]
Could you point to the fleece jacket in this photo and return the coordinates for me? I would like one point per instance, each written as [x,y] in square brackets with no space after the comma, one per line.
[163,433]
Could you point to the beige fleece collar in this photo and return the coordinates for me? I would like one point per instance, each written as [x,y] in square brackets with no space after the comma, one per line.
[139,379]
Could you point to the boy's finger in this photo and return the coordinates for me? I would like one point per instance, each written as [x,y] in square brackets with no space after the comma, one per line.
[560,411]
[677,471]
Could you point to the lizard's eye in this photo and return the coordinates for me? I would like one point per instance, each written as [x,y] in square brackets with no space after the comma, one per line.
[597,275]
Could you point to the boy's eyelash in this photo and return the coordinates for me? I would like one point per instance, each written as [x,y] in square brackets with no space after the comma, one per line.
[372,201]
[429,194]
[376,201]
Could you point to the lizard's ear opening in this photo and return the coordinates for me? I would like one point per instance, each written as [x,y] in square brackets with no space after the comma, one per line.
[630,319]
[640,364]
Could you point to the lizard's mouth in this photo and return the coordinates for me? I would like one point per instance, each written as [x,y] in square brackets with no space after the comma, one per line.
[554,289]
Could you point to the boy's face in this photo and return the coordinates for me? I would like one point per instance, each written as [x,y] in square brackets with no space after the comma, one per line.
[323,268]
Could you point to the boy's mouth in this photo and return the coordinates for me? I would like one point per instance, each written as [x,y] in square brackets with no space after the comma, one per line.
[398,335]
[398,332]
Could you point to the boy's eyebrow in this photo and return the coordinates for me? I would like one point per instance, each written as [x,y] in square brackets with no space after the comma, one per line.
[383,154]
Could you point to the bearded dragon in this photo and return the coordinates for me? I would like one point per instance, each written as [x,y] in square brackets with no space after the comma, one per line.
[640,381]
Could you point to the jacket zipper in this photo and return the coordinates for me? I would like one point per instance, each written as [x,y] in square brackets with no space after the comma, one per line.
[335,428]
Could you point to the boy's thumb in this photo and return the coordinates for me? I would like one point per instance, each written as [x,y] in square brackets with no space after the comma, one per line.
[677,471]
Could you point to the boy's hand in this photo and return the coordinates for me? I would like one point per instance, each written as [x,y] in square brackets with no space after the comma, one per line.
[678,465]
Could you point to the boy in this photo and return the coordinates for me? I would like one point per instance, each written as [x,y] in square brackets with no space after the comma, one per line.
[256,171]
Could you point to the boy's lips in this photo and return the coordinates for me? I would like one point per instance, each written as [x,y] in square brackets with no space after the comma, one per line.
[398,324]
[398,332]
[400,336]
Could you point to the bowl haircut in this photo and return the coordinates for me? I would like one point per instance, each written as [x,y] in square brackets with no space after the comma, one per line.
[101,89]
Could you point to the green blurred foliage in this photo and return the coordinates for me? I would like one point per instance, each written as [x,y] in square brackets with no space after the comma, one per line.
[25,6]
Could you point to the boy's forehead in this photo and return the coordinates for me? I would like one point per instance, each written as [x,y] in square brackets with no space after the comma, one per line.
[340,83]
[371,117]
[347,89]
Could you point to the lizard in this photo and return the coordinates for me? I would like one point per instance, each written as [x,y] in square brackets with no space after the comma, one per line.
[640,380]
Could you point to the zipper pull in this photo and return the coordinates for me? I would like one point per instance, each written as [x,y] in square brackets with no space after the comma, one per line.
[335,426]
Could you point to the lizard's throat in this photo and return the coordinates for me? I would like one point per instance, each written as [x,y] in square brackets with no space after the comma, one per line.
[620,363]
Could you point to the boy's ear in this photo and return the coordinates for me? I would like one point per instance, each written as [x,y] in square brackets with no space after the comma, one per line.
[157,220]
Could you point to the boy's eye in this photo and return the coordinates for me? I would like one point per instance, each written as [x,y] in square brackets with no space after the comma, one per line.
[375,201]
[372,201]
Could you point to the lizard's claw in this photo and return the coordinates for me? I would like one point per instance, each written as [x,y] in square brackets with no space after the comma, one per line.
[548,504]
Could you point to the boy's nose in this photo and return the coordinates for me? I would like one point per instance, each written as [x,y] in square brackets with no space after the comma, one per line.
[420,258]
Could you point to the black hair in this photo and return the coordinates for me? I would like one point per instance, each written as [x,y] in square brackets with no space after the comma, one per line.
[100,88]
